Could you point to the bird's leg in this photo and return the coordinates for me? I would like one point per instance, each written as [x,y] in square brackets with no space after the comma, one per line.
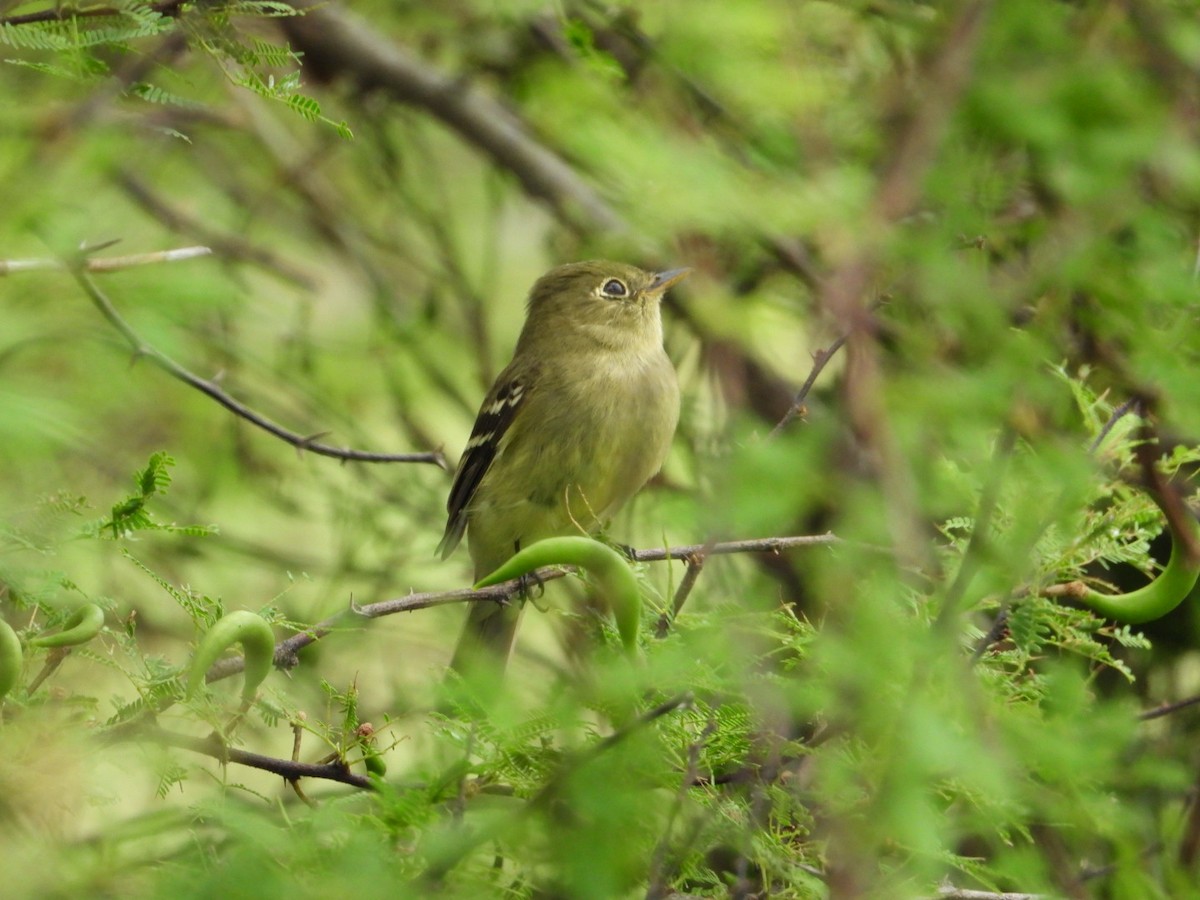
[524,582]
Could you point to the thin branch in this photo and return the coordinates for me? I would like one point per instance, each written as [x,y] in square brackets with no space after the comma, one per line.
[755,545]
[212,746]
[61,12]
[999,627]
[821,358]
[1180,520]
[1189,842]
[694,565]
[950,892]
[1130,405]
[286,651]
[101,265]
[1167,709]
[210,389]
[335,41]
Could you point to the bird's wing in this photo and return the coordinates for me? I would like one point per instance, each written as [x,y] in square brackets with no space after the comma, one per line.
[497,413]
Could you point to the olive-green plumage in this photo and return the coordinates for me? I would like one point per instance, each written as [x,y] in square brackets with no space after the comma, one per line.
[573,427]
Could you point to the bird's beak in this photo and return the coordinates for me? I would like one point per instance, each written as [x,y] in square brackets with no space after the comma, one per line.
[664,280]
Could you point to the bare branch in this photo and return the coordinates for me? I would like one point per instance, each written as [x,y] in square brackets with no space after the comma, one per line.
[289,770]
[755,545]
[1167,709]
[104,264]
[949,892]
[821,359]
[286,650]
[694,565]
[60,12]
[209,388]
[335,41]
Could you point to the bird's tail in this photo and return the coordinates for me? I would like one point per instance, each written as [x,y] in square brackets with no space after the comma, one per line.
[486,642]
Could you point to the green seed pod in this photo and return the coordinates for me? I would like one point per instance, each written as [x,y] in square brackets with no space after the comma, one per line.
[258,646]
[1157,598]
[611,570]
[84,625]
[10,658]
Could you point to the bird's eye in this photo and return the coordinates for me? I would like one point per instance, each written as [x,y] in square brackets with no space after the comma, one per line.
[615,287]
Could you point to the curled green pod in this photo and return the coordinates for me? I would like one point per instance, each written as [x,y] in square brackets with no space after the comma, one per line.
[1157,598]
[83,625]
[10,658]
[611,570]
[258,646]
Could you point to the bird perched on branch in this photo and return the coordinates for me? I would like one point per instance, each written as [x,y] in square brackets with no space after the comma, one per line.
[573,427]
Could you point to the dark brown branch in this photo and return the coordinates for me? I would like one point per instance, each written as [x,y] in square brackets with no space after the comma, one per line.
[210,389]
[1179,518]
[61,12]
[335,41]
[286,650]
[1167,709]
[821,358]
[1119,413]
[288,769]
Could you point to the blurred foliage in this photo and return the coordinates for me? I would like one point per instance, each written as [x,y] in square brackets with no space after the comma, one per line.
[997,203]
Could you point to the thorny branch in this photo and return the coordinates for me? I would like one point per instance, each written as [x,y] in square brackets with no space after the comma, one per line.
[289,770]
[286,650]
[211,389]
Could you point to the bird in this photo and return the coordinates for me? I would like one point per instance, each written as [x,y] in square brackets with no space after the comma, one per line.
[580,419]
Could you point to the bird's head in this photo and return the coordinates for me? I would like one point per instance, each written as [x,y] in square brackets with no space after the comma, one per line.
[597,296]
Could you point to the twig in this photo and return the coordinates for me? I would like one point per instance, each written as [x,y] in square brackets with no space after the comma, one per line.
[1167,709]
[999,626]
[755,545]
[63,12]
[101,265]
[210,389]
[694,564]
[820,359]
[950,892]
[1189,841]
[286,651]
[335,40]
[288,769]
[53,660]
[1119,413]
[1179,518]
